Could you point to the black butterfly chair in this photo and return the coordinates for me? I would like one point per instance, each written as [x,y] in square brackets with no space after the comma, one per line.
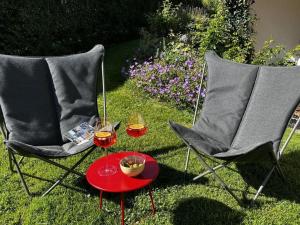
[42,98]
[245,113]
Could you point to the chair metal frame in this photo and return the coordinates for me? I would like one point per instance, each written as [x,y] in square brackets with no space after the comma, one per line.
[212,170]
[17,163]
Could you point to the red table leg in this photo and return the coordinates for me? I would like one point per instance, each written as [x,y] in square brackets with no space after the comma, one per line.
[152,202]
[122,208]
[101,192]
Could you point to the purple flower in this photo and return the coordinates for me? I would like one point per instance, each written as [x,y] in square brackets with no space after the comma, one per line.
[151,67]
[161,91]
[185,85]
[203,93]
[161,70]
[189,63]
[178,82]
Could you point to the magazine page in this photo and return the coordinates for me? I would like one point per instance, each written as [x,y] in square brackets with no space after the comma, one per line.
[80,134]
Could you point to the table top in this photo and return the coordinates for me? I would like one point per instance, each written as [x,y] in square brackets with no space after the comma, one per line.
[120,182]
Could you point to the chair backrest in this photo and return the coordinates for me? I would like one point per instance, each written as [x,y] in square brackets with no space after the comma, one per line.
[247,104]
[43,97]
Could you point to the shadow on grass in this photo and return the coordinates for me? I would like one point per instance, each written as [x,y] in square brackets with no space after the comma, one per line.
[167,177]
[204,211]
[254,174]
[163,150]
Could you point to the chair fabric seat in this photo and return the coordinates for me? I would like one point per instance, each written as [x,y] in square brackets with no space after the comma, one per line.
[257,149]
[245,108]
[52,151]
[199,141]
[211,147]
[49,151]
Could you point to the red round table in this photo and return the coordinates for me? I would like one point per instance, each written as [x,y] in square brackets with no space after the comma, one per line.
[119,182]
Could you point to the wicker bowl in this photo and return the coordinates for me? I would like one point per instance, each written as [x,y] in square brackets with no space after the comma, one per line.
[132,165]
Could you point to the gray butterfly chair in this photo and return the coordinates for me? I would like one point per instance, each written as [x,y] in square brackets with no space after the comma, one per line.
[41,98]
[245,113]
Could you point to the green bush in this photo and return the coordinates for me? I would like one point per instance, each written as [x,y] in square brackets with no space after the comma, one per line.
[223,26]
[174,71]
[210,4]
[168,17]
[228,31]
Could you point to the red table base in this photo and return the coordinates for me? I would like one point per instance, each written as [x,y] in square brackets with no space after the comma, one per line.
[122,203]
[119,182]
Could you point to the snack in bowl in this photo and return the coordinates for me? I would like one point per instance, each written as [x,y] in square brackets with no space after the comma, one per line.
[132,165]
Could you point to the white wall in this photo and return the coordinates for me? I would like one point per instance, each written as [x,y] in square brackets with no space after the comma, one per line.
[279,19]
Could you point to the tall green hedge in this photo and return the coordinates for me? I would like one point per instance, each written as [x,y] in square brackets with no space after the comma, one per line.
[53,27]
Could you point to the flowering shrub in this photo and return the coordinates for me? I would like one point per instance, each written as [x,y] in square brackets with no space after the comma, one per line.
[174,72]
[176,80]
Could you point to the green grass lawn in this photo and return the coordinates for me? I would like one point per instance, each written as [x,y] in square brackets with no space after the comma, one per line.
[179,203]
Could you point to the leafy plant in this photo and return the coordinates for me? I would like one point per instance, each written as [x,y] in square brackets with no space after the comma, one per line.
[228,31]
[210,4]
[275,55]
[168,17]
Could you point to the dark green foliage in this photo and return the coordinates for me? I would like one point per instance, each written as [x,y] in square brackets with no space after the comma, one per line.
[168,18]
[53,27]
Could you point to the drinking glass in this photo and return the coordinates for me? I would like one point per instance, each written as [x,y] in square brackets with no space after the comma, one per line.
[104,137]
[136,126]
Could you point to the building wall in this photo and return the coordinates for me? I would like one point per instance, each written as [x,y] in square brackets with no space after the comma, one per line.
[279,20]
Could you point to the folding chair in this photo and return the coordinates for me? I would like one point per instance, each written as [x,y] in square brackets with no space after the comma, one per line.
[41,98]
[245,113]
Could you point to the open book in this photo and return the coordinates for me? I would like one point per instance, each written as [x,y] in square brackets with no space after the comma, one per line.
[80,134]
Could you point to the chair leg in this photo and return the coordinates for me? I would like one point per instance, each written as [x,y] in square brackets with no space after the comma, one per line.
[52,182]
[205,165]
[187,161]
[13,160]
[264,183]
[21,160]
[280,172]
[20,174]
[10,160]
[70,170]
[214,169]
[56,183]
[62,166]
[277,166]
